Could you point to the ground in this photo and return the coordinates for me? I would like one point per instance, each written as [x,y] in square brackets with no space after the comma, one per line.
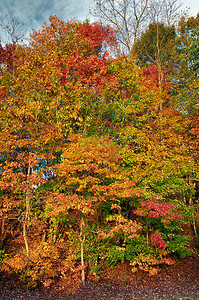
[179,281]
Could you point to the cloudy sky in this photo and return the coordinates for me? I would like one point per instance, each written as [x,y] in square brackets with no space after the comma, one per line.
[33,13]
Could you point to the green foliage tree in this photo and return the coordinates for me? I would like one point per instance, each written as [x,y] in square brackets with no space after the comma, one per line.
[185,73]
[155,44]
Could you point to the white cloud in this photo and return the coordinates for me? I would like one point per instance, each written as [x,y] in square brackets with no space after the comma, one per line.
[33,13]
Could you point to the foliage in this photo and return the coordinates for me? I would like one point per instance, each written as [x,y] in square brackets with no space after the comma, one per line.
[157,38]
[98,156]
[2,257]
[185,73]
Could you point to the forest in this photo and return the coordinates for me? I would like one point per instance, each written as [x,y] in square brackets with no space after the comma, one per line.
[99,148]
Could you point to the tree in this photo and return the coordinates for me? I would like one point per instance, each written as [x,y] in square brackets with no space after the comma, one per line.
[44,93]
[126,17]
[154,45]
[185,71]
[78,75]
[164,12]
[154,49]
[89,181]
[97,160]
[153,140]
[130,18]
[12,28]
[185,87]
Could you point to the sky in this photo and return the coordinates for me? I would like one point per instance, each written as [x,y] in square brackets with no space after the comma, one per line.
[194,6]
[33,13]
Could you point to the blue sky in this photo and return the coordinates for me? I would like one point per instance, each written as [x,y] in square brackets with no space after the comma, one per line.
[33,13]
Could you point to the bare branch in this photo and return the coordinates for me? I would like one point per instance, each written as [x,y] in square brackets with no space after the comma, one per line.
[130,18]
[12,27]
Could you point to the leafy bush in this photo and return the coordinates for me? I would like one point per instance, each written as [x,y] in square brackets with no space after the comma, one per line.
[3,256]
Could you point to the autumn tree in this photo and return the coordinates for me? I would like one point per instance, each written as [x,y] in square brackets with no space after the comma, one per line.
[185,96]
[150,138]
[44,95]
[89,182]
[97,158]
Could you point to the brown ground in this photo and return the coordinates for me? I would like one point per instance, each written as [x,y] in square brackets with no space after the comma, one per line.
[179,281]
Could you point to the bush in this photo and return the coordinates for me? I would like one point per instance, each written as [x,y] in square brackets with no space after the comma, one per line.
[3,256]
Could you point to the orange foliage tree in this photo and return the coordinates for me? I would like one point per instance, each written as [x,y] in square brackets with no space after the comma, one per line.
[46,88]
[89,181]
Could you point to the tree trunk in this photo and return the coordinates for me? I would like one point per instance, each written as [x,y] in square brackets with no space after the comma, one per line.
[27,214]
[2,235]
[25,238]
[82,240]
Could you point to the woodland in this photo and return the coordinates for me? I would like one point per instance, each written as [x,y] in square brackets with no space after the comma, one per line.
[99,147]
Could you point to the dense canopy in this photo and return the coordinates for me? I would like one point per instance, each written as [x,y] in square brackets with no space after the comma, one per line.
[98,150]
